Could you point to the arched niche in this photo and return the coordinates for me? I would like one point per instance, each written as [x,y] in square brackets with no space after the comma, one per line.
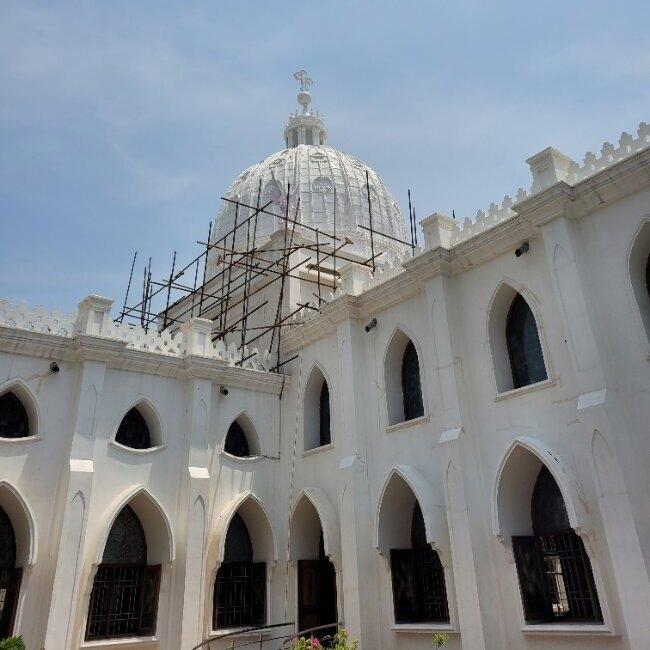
[23,523]
[514,484]
[507,297]
[155,523]
[402,488]
[639,270]
[317,391]
[250,509]
[27,401]
[313,514]
[401,347]
[242,425]
[140,414]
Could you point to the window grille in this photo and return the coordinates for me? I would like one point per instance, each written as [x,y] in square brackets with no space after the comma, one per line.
[554,571]
[14,422]
[124,599]
[133,431]
[419,590]
[240,587]
[10,576]
[411,387]
[325,434]
[524,348]
[236,441]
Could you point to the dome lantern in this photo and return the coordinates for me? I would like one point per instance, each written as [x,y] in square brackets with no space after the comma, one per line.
[306,127]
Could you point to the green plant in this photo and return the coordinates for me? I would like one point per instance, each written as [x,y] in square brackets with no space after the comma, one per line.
[306,644]
[341,642]
[440,639]
[13,643]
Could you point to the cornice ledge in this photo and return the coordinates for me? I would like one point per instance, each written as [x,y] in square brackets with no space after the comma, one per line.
[546,206]
[37,344]
[389,293]
[429,264]
[257,380]
[97,348]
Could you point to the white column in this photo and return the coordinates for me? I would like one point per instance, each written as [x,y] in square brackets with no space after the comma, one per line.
[60,633]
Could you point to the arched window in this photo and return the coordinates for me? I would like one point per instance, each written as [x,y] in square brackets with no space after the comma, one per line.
[325,433]
[10,576]
[236,441]
[14,422]
[524,348]
[554,571]
[411,388]
[240,587]
[133,431]
[124,599]
[419,590]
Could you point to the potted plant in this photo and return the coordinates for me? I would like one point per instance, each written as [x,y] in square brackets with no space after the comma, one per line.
[440,639]
[13,643]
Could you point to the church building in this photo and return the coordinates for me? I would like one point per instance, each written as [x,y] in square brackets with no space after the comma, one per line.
[331,425]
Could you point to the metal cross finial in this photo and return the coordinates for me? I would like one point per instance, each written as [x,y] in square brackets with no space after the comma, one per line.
[304,79]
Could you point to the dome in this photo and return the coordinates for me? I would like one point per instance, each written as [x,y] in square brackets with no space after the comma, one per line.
[331,186]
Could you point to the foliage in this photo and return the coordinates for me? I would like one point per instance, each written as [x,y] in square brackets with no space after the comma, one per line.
[339,641]
[13,643]
[440,639]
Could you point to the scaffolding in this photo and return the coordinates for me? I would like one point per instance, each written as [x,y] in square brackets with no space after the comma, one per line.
[228,281]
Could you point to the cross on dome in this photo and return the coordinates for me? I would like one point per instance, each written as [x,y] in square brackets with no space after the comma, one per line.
[306,127]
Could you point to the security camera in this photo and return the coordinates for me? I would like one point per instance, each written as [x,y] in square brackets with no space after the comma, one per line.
[371,325]
[524,248]
[54,367]
[223,390]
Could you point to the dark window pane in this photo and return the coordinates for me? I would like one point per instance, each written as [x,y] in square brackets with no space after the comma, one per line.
[647,275]
[150,600]
[404,600]
[524,348]
[236,442]
[324,415]
[430,588]
[418,531]
[7,542]
[548,511]
[10,580]
[126,543]
[14,422]
[531,579]
[238,542]
[133,431]
[411,388]
[239,594]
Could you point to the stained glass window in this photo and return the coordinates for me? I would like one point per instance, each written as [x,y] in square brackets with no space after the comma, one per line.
[411,387]
[524,348]
[14,422]
[133,431]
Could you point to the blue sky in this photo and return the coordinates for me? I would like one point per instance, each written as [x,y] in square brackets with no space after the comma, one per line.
[122,123]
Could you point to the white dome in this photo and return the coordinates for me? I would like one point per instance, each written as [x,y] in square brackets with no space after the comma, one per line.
[330,184]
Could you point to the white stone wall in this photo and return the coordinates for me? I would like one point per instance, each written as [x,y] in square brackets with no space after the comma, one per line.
[588,421]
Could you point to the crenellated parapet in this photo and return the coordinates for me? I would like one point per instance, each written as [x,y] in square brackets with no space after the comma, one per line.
[93,318]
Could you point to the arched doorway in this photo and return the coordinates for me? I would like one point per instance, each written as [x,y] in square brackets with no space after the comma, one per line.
[316,584]
[10,576]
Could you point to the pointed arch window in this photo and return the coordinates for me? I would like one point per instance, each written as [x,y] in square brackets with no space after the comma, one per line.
[554,571]
[14,422]
[411,386]
[419,590]
[240,586]
[524,347]
[325,433]
[236,441]
[134,431]
[124,599]
[10,576]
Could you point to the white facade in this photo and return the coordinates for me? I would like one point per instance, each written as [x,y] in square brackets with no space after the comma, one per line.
[470,460]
